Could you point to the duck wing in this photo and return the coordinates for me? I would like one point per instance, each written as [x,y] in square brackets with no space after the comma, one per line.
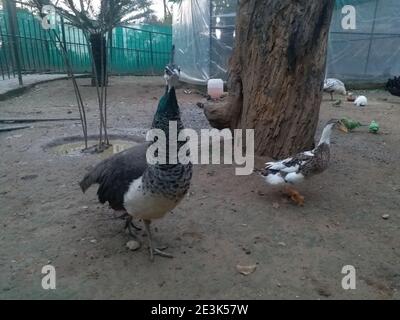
[332,84]
[292,164]
[290,170]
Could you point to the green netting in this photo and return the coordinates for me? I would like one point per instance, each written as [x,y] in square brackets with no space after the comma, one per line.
[137,50]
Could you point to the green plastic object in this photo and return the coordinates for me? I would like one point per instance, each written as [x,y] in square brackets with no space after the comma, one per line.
[350,124]
[374,127]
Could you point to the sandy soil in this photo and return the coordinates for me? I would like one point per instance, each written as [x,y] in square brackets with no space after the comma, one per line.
[225,220]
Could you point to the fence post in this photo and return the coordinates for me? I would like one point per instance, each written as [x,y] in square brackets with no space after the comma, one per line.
[371,37]
[110,48]
[13,25]
[64,44]
[151,52]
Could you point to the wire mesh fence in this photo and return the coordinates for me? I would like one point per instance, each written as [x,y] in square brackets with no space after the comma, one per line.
[139,50]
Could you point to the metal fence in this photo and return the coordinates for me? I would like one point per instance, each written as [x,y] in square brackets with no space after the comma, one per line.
[138,50]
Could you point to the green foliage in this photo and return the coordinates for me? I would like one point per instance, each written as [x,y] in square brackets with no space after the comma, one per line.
[85,15]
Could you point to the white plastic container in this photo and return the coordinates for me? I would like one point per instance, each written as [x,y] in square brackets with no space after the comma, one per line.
[215,88]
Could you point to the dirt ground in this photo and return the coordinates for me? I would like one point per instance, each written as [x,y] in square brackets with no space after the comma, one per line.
[225,220]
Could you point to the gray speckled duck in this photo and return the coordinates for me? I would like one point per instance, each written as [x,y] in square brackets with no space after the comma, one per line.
[144,191]
[294,170]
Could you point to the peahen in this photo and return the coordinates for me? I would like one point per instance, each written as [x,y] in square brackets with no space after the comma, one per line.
[142,190]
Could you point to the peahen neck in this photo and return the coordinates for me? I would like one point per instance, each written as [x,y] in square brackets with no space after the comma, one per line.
[167,110]
[168,114]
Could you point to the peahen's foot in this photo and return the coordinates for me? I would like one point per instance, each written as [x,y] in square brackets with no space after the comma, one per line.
[158,252]
[129,225]
[294,195]
[152,250]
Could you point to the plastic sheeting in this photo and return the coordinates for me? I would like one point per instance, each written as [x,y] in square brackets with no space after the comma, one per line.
[203,33]
[191,37]
[370,52]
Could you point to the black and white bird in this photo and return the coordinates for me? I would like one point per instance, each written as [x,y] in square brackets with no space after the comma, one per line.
[303,165]
[332,85]
[393,86]
[142,190]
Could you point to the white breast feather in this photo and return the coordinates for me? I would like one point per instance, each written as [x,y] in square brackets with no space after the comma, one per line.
[146,206]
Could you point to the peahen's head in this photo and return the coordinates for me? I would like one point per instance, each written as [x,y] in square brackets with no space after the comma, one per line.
[168,109]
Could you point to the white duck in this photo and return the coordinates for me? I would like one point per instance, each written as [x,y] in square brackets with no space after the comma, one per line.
[332,85]
[361,101]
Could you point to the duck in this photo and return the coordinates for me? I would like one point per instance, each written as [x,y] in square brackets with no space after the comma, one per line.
[294,170]
[361,101]
[140,189]
[332,85]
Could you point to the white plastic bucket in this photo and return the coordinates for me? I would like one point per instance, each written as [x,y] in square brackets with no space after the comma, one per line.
[215,88]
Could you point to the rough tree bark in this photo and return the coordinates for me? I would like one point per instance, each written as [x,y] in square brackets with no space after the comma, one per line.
[97,41]
[276,73]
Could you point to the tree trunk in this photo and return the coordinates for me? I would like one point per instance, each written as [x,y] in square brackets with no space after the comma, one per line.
[96,43]
[276,72]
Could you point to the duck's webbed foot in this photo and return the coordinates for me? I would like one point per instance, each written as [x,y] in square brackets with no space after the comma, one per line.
[294,195]
[154,251]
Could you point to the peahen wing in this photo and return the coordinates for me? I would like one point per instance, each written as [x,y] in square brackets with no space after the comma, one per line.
[115,174]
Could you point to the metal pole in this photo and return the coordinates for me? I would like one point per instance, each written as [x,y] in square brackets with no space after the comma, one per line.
[12,20]
[151,53]
[63,38]
[211,42]
[371,37]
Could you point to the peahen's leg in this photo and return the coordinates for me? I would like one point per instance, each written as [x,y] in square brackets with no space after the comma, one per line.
[128,222]
[129,225]
[154,251]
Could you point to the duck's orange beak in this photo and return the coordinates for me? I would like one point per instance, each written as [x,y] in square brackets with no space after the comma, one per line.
[342,127]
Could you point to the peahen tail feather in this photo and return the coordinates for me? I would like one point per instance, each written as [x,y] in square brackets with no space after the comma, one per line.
[92,177]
